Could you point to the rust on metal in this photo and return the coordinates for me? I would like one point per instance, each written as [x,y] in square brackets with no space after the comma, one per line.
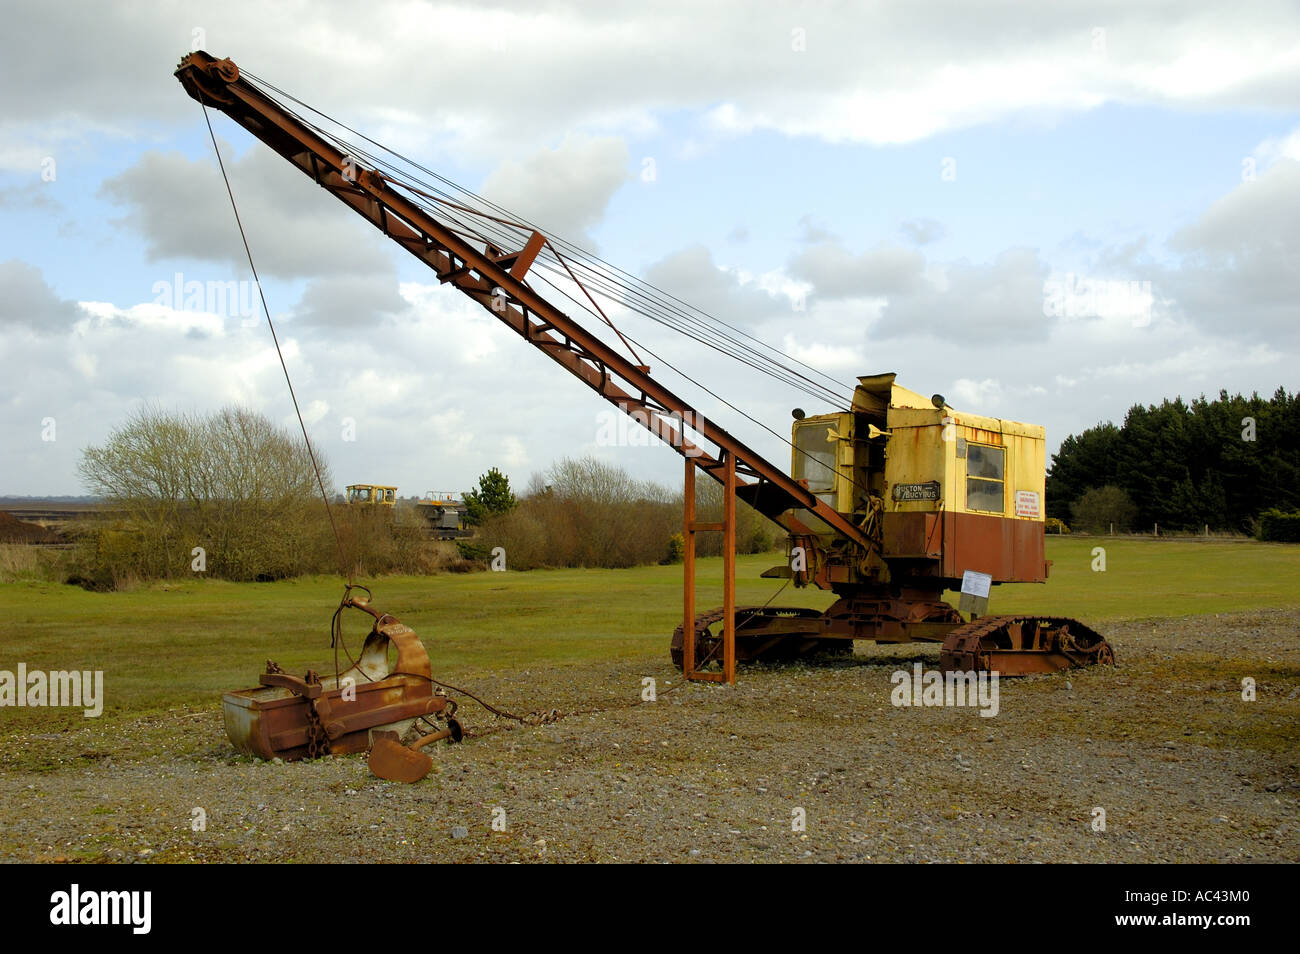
[694,638]
[290,718]
[1012,551]
[760,633]
[919,494]
[478,274]
[391,760]
[1023,645]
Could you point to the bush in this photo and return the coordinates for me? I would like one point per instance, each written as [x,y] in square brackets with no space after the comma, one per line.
[1053,525]
[492,498]
[586,513]
[378,540]
[1101,508]
[228,492]
[242,490]
[19,562]
[1279,526]
[473,552]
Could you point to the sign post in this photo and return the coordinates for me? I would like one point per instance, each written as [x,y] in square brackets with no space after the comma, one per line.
[975,593]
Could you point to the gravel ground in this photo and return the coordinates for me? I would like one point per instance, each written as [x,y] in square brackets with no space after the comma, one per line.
[1183,767]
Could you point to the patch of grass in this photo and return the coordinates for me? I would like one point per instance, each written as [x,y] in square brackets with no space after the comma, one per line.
[174,645]
[1148,577]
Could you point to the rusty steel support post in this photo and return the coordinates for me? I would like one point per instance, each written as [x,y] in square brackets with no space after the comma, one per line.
[728,529]
[688,561]
[729,571]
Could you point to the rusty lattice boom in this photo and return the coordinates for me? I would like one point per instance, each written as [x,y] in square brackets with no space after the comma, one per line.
[888,503]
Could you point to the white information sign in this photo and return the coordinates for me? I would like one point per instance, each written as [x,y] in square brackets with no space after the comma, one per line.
[1027,503]
[976,584]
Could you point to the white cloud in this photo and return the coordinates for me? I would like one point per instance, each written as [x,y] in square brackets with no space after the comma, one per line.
[555,100]
[923,231]
[493,80]
[294,230]
[729,295]
[26,299]
[834,272]
[1278,147]
[970,393]
[351,304]
[513,453]
[975,303]
[1241,257]
[564,190]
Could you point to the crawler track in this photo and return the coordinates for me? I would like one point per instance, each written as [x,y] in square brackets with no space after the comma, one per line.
[1009,645]
[755,640]
[1023,645]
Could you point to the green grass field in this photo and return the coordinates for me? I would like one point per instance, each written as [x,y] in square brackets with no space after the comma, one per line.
[169,645]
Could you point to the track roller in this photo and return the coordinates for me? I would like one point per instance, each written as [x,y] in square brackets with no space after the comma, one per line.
[1023,645]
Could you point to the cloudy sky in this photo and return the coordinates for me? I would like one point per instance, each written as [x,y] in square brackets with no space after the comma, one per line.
[1046,212]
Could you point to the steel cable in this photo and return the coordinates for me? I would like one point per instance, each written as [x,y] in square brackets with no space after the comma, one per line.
[596,268]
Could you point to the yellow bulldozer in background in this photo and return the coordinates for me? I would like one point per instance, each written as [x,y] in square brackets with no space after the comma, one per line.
[374,494]
[442,515]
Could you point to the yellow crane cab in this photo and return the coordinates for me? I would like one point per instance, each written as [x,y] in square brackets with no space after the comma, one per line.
[375,494]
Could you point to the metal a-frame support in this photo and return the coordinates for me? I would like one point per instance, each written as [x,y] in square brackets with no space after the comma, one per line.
[728,529]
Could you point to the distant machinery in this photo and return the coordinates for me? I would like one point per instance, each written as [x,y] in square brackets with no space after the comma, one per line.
[375,494]
[441,513]
[444,514]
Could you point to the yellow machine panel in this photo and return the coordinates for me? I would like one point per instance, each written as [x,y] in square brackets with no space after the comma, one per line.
[944,491]
[372,494]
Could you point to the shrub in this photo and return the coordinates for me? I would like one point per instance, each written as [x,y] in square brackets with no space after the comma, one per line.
[1100,508]
[244,491]
[493,497]
[586,513]
[19,562]
[1279,526]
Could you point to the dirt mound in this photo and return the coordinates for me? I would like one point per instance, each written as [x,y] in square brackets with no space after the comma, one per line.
[13,530]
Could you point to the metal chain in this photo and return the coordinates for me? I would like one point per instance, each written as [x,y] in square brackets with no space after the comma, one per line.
[539,717]
[533,719]
[318,742]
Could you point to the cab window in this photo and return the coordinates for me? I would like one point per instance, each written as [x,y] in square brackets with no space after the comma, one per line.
[985,476]
[814,460]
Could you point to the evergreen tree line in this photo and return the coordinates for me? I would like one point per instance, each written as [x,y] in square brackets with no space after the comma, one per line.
[1220,463]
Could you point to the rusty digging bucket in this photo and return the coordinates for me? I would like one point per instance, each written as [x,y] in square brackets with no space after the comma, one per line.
[391,760]
[288,717]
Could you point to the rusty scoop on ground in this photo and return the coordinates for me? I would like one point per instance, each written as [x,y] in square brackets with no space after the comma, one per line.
[391,760]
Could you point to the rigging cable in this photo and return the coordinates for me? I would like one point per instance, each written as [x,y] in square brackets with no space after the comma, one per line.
[320,482]
[577,251]
[506,221]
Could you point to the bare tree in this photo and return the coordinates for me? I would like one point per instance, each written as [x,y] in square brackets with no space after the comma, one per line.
[230,482]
